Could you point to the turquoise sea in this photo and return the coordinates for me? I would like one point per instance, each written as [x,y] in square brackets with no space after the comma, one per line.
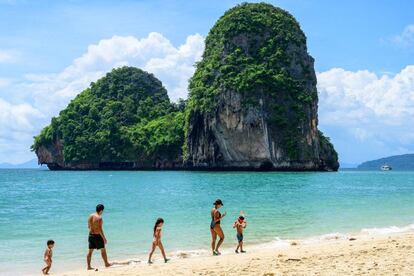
[36,205]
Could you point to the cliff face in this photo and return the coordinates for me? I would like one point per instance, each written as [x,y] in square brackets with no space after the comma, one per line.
[253,99]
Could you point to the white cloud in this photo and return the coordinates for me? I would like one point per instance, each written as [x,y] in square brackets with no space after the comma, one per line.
[406,38]
[17,124]
[31,103]
[155,54]
[18,117]
[9,56]
[361,109]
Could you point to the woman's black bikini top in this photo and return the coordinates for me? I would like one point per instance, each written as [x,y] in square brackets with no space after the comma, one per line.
[213,218]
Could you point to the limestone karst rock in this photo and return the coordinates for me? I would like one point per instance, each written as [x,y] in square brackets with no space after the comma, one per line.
[253,101]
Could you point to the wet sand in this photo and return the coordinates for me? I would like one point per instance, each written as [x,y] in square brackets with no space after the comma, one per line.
[359,255]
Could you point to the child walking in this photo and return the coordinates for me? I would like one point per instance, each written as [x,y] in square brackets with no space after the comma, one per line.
[240,224]
[47,257]
[157,240]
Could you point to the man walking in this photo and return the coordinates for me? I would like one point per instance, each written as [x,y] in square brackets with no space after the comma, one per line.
[96,238]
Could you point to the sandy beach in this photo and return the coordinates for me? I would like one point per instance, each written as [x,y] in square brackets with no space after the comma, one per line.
[356,255]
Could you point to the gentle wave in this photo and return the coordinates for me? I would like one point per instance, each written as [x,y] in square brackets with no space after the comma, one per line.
[388,230]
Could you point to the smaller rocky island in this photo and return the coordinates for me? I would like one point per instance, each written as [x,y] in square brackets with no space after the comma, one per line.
[252,106]
[123,121]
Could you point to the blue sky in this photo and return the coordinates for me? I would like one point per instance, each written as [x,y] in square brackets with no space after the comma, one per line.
[46,47]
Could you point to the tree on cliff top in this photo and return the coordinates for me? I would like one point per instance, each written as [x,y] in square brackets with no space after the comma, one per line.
[116,119]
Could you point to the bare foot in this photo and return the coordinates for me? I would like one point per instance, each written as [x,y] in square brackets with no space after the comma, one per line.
[108,264]
[92,268]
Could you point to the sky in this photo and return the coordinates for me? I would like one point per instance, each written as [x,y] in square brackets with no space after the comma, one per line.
[51,50]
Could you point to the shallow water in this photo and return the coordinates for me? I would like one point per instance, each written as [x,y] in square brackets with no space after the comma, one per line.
[36,205]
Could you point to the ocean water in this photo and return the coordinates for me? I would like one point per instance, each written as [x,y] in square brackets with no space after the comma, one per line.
[37,205]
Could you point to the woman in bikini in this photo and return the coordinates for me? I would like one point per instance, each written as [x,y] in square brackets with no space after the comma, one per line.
[215,227]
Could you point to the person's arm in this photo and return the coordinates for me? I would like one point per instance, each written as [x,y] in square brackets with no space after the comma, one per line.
[89,223]
[218,217]
[101,230]
[48,257]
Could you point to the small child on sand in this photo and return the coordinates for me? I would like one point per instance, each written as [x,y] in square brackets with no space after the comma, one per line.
[240,224]
[47,257]
[157,240]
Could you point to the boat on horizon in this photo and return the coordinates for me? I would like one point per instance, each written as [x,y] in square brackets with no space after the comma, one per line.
[386,168]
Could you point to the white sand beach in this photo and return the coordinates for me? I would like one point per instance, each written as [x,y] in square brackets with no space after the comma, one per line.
[359,255]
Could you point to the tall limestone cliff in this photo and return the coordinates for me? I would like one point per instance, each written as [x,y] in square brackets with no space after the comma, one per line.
[253,101]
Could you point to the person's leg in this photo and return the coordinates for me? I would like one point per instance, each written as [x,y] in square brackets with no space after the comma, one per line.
[213,239]
[237,248]
[162,251]
[241,247]
[47,269]
[150,254]
[220,233]
[105,257]
[89,258]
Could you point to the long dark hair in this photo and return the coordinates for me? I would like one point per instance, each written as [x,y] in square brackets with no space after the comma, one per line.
[159,220]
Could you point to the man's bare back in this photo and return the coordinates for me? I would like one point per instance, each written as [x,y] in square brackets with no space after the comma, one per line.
[95,224]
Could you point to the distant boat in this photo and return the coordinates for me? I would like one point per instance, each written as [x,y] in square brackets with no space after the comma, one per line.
[386,168]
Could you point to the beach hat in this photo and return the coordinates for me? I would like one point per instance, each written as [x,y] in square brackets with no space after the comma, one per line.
[218,202]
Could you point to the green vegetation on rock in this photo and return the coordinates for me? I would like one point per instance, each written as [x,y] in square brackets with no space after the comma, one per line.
[124,116]
[256,51]
[248,51]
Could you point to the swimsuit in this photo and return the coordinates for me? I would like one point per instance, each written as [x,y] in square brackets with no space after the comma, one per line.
[239,237]
[213,223]
[96,241]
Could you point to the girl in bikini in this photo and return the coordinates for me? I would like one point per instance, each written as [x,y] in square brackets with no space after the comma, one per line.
[157,240]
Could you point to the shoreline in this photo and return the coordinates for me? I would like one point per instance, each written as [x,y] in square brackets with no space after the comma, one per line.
[381,253]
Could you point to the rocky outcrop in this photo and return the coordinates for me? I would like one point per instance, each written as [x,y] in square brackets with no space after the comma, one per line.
[53,157]
[252,106]
[123,121]
[253,99]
